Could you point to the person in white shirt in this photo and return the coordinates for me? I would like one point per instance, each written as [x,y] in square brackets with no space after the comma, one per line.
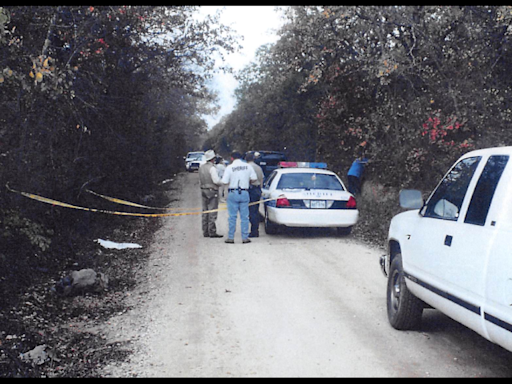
[209,181]
[238,176]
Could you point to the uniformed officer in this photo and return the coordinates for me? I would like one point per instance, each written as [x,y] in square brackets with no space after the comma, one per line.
[254,195]
[209,181]
[238,176]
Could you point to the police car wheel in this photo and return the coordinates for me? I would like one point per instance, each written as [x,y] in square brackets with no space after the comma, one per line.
[344,231]
[270,227]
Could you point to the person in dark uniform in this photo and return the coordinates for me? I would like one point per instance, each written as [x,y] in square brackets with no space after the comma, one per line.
[254,195]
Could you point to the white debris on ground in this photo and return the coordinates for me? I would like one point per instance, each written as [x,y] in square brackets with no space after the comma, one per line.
[35,356]
[112,245]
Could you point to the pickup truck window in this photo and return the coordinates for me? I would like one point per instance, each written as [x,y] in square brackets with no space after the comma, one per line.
[447,199]
[484,190]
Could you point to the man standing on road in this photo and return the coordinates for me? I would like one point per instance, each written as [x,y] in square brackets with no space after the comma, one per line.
[209,181]
[238,176]
[254,195]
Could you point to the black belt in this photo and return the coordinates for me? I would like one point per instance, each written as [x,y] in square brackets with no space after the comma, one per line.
[236,189]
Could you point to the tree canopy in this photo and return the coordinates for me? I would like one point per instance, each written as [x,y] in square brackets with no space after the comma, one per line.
[410,87]
[107,98]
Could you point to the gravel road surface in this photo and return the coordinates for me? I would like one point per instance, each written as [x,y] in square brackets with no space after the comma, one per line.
[303,303]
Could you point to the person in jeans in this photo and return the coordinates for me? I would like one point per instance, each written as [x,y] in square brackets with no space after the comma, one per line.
[238,176]
[254,195]
[355,175]
[209,181]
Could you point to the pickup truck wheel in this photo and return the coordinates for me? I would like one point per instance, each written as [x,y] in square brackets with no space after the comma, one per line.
[270,227]
[404,309]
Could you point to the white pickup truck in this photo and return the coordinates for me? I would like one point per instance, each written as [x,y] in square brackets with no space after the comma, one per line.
[454,252]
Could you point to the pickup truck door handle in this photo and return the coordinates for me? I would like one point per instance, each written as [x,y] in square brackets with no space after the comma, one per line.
[448,240]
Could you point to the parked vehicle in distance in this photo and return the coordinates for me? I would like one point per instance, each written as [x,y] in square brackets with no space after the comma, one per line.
[306,195]
[452,252]
[268,160]
[194,160]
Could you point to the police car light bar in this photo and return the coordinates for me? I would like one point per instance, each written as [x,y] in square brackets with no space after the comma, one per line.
[301,164]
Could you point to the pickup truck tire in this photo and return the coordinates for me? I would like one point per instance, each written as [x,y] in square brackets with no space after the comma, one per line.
[404,309]
[270,227]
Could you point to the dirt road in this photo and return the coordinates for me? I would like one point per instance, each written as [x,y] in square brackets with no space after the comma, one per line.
[302,303]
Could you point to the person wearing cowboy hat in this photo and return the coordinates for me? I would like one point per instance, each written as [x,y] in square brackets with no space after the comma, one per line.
[209,181]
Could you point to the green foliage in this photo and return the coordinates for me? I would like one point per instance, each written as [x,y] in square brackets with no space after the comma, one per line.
[101,97]
[102,94]
[37,234]
[389,82]
[271,113]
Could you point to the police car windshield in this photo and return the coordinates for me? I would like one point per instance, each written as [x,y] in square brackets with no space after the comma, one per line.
[309,181]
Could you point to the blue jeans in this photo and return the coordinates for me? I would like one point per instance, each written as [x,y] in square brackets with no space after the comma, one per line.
[238,202]
[254,216]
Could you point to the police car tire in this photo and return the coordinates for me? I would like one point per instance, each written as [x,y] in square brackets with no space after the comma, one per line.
[270,227]
[343,231]
[404,309]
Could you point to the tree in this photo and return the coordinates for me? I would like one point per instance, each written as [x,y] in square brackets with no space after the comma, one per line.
[103,97]
[271,114]
[388,70]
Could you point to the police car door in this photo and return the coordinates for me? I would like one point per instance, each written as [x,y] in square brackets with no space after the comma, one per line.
[265,192]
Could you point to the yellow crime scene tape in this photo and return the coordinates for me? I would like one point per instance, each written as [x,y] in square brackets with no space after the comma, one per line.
[124,202]
[119,201]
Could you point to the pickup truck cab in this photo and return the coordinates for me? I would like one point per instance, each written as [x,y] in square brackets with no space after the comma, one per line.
[194,160]
[454,251]
[268,160]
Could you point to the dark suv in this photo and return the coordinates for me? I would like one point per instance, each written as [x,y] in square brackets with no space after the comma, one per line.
[268,160]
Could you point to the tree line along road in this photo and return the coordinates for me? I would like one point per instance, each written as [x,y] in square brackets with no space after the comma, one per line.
[303,303]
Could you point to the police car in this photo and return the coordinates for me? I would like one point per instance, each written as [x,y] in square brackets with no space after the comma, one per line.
[305,194]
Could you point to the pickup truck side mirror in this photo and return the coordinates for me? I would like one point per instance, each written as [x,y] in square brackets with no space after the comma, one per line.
[411,199]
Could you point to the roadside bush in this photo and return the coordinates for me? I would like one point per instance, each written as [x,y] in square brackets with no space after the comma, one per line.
[377,204]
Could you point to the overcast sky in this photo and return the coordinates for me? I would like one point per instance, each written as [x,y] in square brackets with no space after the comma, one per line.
[257,24]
